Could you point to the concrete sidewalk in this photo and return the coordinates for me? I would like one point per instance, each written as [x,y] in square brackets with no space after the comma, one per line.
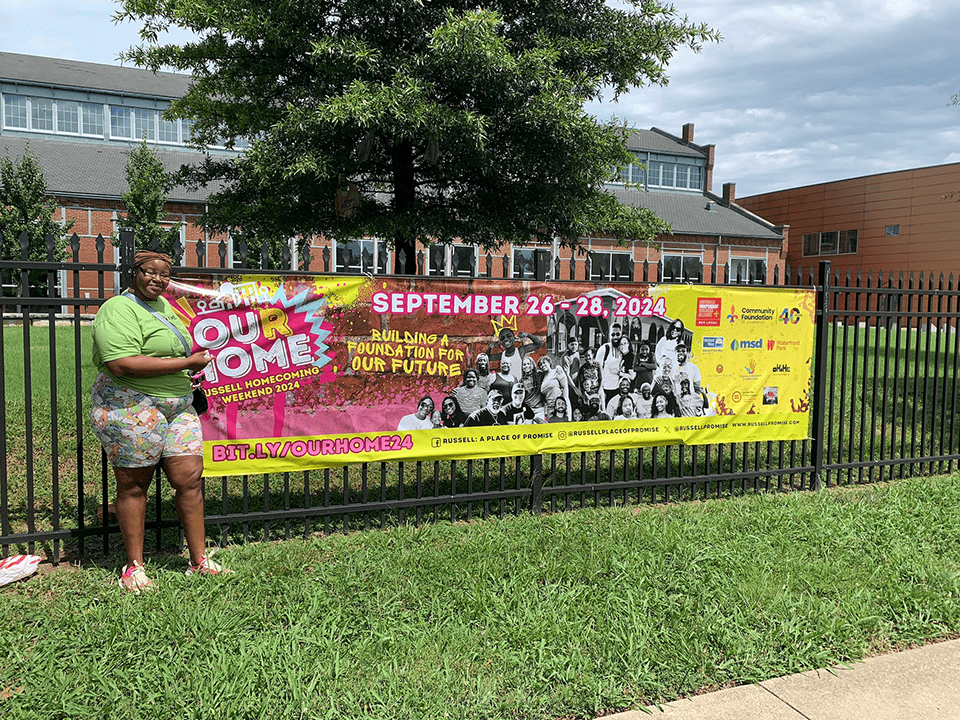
[920,684]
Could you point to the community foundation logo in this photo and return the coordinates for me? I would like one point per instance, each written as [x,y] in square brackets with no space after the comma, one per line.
[757,314]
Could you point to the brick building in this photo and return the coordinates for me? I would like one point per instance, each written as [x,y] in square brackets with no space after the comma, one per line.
[907,221]
[81,120]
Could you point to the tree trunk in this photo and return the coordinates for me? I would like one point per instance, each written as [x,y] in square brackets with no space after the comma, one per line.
[404,241]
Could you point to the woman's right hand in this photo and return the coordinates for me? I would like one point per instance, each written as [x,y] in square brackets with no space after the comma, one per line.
[199,360]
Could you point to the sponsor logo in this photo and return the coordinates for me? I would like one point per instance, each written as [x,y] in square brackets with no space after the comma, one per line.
[709,311]
[750,367]
[784,344]
[771,395]
[781,368]
[757,314]
[719,369]
[746,345]
[733,317]
[713,343]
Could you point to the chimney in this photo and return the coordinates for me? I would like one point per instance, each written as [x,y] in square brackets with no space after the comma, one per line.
[687,134]
[708,180]
[729,193]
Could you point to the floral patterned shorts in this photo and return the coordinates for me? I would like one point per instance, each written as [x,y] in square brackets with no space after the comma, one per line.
[137,430]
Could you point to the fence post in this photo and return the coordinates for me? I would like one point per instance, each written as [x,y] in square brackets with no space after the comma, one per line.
[820,377]
[536,483]
[127,251]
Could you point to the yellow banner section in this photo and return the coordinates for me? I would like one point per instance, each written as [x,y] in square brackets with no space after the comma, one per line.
[268,455]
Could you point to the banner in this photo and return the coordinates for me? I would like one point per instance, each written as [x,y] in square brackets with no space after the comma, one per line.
[313,372]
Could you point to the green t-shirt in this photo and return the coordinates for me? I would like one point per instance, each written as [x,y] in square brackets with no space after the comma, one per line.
[122,328]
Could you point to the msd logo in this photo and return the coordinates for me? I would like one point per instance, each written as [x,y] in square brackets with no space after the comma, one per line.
[746,345]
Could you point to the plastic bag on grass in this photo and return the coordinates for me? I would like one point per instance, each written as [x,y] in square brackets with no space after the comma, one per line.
[17,567]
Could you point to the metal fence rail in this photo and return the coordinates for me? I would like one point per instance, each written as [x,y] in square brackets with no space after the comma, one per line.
[883,394]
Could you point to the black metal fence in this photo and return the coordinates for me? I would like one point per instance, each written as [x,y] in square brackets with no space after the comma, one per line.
[883,405]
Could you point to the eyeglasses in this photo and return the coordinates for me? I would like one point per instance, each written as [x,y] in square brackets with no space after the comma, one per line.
[152,274]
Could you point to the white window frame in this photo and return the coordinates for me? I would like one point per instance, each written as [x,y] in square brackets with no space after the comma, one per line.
[121,112]
[748,274]
[684,257]
[25,107]
[601,264]
[61,110]
[375,269]
[86,110]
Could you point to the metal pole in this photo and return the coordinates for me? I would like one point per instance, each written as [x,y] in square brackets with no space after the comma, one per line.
[127,251]
[820,376]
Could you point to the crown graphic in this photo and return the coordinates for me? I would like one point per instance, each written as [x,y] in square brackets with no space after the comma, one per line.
[505,322]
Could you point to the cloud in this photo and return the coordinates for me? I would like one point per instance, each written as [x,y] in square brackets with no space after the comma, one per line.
[797,93]
[805,93]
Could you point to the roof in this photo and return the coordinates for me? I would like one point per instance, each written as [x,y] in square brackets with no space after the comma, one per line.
[687,214]
[659,141]
[94,170]
[35,70]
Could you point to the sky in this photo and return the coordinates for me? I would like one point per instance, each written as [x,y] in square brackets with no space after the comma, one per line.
[796,93]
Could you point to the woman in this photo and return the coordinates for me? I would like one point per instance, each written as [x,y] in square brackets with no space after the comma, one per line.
[451,414]
[532,379]
[667,345]
[626,409]
[627,359]
[142,412]
[553,383]
[661,407]
[420,419]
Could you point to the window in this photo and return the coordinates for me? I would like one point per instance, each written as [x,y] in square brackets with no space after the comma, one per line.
[358,256]
[41,114]
[456,260]
[682,268]
[834,242]
[119,122]
[91,117]
[893,230]
[606,266]
[662,171]
[748,271]
[15,111]
[144,125]
[531,263]
[436,260]
[68,118]
[463,260]
[524,263]
[169,131]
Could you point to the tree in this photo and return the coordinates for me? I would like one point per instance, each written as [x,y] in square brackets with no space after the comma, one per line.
[453,122]
[148,183]
[25,207]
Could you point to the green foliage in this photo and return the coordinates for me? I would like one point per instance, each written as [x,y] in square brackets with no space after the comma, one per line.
[148,183]
[25,207]
[573,615]
[453,121]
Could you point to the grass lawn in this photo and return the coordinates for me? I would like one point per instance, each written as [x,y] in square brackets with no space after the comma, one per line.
[562,616]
